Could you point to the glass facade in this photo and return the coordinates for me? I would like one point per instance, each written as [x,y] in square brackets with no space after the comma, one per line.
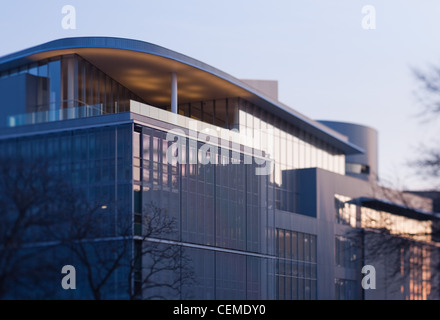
[348,256]
[296,270]
[346,289]
[223,205]
[97,162]
[409,251]
[289,147]
[229,276]
[396,224]
[347,253]
[68,87]
[224,212]
[220,112]
[400,244]
[54,89]
[219,207]
[345,213]
[348,213]
[418,264]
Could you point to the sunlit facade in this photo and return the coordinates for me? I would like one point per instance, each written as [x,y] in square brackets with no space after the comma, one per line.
[403,251]
[261,195]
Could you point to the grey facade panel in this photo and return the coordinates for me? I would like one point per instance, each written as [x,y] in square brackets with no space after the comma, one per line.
[364,137]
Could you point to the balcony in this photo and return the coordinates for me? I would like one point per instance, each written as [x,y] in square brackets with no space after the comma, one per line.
[55,115]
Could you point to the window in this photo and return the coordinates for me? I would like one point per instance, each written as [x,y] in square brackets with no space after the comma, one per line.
[196,110]
[136,156]
[296,271]
[345,212]
[346,289]
[357,168]
[346,252]
[208,112]
[69,81]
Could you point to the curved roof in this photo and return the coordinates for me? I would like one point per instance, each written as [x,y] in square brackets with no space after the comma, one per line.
[146,70]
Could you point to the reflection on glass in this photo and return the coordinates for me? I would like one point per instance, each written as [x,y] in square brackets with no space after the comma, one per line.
[69,81]
[296,274]
[345,213]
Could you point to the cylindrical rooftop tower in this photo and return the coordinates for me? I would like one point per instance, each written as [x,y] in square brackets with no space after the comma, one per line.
[364,166]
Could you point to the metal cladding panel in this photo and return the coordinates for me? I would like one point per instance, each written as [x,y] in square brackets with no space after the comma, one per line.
[362,136]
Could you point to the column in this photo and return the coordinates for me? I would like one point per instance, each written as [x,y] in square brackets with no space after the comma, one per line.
[174,92]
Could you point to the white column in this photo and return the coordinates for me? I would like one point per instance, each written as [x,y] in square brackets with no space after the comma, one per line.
[174,92]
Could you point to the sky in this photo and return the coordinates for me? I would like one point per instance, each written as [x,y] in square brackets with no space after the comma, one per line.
[328,66]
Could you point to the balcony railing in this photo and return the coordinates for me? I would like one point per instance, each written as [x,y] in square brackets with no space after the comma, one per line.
[55,115]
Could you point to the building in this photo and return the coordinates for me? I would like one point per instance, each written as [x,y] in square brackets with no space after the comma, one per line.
[261,195]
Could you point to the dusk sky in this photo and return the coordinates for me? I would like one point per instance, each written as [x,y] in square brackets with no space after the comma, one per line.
[327,65]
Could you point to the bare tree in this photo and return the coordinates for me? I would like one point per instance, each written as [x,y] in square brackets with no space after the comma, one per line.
[149,266]
[160,268]
[388,241]
[100,249]
[428,92]
[406,251]
[30,198]
[43,216]
[45,223]
[428,96]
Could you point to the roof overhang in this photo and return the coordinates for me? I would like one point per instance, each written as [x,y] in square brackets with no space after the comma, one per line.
[146,70]
[394,208]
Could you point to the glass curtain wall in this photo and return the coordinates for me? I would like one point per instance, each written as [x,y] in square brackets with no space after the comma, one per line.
[220,206]
[98,162]
[224,204]
[91,86]
[346,289]
[296,270]
[69,81]
[290,147]
[220,112]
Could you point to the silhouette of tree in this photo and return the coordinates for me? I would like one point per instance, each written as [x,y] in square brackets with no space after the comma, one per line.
[427,164]
[47,223]
[409,255]
[30,198]
[160,267]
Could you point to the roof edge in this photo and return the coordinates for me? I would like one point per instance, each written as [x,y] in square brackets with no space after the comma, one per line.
[332,137]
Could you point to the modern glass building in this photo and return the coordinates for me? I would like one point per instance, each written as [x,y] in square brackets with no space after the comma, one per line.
[260,196]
